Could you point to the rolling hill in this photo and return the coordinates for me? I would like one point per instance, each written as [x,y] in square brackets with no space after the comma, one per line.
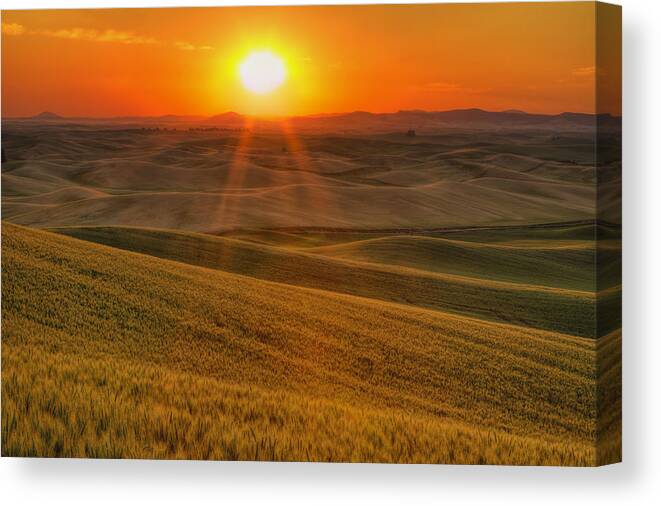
[565,265]
[113,339]
[325,289]
[57,176]
[562,309]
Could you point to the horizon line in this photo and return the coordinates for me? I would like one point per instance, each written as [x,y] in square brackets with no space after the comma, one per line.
[310,115]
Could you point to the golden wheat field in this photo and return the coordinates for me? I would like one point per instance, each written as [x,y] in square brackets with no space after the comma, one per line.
[357,299]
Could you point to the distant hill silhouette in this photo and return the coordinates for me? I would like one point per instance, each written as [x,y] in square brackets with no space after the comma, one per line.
[423,122]
[47,115]
[227,119]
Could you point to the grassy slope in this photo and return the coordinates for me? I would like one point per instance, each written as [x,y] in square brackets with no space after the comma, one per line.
[305,237]
[360,206]
[122,409]
[546,308]
[99,329]
[568,265]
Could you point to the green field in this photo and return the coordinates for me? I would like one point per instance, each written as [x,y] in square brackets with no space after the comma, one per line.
[459,290]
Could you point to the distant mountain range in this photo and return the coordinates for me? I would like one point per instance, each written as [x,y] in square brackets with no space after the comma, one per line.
[362,121]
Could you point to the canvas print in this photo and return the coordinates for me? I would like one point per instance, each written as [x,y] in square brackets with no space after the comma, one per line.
[359,233]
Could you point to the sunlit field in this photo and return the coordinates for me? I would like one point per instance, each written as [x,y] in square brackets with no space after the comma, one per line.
[111,353]
[129,330]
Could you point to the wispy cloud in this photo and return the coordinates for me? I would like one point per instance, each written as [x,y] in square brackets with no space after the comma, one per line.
[110,35]
[187,46]
[447,87]
[98,36]
[580,77]
[12,29]
[440,86]
[584,71]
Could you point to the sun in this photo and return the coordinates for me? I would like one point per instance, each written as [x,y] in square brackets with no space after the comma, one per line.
[262,72]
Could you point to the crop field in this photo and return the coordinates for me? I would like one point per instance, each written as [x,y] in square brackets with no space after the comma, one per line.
[214,182]
[187,294]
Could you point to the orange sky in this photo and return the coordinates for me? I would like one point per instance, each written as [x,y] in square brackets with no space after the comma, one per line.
[535,57]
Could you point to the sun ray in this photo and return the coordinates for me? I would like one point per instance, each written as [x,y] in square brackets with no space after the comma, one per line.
[226,211]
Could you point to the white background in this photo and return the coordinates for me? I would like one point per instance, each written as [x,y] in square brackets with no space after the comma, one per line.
[636,481]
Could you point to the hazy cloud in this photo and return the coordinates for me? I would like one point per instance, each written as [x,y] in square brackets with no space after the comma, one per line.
[445,87]
[97,36]
[12,29]
[440,86]
[584,71]
[86,34]
[187,46]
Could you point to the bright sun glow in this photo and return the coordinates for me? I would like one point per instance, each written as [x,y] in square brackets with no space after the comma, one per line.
[262,72]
